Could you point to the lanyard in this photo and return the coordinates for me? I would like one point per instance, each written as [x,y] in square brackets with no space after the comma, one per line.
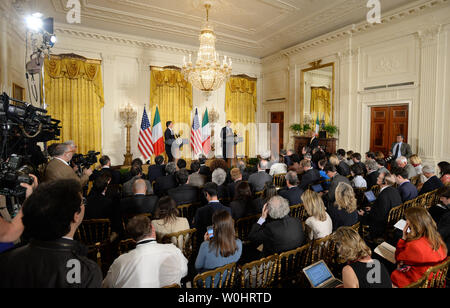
[145,242]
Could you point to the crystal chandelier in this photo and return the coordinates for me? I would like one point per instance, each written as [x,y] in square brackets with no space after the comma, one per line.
[208,74]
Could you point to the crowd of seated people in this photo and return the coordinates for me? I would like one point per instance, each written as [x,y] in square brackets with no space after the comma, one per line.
[221,197]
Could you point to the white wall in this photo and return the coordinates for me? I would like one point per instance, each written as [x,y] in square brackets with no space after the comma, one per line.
[411,46]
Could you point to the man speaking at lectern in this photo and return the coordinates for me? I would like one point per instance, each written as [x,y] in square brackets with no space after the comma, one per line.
[227,136]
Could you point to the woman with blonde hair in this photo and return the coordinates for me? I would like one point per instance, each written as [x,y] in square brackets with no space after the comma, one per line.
[417,163]
[334,160]
[358,273]
[420,247]
[344,211]
[319,222]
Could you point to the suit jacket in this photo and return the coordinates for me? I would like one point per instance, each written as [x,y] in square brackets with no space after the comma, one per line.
[334,184]
[184,194]
[115,175]
[411,171]
[232,189]
[169,138]
[198,180]
[138,204]
[407,191]
[405,150]
[444,229]
[377,218]
[127,188]
[258,180]
[293,194]
[156,171]
[278,235]
[98,206]
[204,170]
[309,177]
[241,209]
[203,217]
[343,168]
[433,183]
[57,170]
[313,143]
[371,179]
[164,183]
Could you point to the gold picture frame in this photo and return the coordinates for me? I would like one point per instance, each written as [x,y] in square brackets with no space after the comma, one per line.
[18,92]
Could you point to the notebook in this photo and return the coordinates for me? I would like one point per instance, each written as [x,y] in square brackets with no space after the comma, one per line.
[320,276]
[386,251]
[370,196]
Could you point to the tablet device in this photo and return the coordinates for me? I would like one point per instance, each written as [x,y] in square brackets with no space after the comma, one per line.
[317,188]
[370,196]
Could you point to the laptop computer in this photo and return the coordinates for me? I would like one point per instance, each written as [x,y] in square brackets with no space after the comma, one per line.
[370,196]
[320,276]
[317,188]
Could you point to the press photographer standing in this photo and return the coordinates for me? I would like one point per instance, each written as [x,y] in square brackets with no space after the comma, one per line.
[59,169]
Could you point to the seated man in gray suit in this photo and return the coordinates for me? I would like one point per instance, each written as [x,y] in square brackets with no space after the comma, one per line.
[402,163]
[399,149]
[259,179]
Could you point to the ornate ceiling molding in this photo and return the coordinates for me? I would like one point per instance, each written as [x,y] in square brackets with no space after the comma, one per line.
[140,43]
[349,31]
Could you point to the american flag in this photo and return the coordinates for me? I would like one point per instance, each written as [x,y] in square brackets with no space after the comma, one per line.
[145,143]
[196,135]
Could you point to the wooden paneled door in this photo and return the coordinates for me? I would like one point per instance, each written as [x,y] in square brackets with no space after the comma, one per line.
[387,122]
[278,117]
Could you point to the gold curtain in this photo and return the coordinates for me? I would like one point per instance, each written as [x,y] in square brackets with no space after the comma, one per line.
[321,104]
[173,96]
[74,94]
[240,108]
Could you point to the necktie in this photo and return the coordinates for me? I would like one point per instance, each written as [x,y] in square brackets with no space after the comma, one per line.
[397,152]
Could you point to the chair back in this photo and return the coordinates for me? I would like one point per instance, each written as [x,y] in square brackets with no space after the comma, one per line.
[260,273]
[291,263]
[298,211]
[359,195]
[258,194]
[94,231]
[357,227]
[173,286]
[127,217]
[434,277]
[376,190]
[187,211]
[324,249]
[395,214]
[219,278]
[125,246]
[279,180]
[243,227]
[415,180]
[185,240]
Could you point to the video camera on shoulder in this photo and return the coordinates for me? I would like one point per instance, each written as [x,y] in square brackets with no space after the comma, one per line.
[12,174]
[85,161]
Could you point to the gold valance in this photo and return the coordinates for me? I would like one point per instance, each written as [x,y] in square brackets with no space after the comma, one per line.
[170,78]
[244,86]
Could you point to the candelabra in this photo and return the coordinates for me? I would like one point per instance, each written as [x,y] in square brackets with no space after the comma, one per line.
[128,115]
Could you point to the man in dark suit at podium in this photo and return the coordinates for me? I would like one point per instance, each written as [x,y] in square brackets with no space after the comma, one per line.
[169,137]
[227,136]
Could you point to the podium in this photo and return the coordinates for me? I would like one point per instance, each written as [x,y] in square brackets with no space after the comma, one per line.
[233,161]
[328,144]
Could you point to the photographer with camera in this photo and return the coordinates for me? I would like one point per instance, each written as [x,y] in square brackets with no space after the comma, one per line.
[59,169]
[10,231]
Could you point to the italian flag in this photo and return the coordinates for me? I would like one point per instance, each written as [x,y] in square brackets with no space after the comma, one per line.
[157,134]
[206,134]
[317,125]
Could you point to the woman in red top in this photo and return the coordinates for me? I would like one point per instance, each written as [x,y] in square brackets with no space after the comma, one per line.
[419,249]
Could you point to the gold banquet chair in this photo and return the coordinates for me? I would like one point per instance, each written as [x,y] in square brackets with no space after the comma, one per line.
[185,240]
[187,211]
[219,278]
[290,265]
[434,277]
[279,180]
[298,211]
[243,227]
[259,274]
[95,234]
[324,249]
[125,246]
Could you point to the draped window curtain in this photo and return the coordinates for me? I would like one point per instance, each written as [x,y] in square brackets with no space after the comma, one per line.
[73,89]
[240,108]
[321,104]
[173,96]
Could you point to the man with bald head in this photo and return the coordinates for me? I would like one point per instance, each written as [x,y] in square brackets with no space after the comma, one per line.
[139,203]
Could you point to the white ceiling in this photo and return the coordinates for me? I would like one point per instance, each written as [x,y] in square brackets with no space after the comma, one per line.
[256,28]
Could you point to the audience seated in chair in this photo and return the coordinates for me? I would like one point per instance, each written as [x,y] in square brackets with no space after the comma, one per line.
[184,193]
[377,215]
[343,168]
[356,157]
[432,182]
[164,183]
[407,190]
[135,163]
[335,180]
[442,208]
[105,166]
[402,162]
[222,248]
[242,204]
[51,217]
[357,174]
[204,169]
[236,178]
[418,249]
[444,168]
[353,251]
[276,230]
[444,221]
[310,175]
[98,205]
[269,191]
[278,168]
[139,203]
[319,222]
[259,179]
[292,192]
[219,177]
[372,173]
[343,211]
[157,170]
[150,265]
[167,220]
[195,178]
[136,173]
[416,162]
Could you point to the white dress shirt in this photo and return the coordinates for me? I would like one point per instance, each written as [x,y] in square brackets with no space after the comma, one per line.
[278,168]
[359,182]
[150,265]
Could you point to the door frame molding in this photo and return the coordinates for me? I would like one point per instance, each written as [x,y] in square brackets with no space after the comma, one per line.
[367,118]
